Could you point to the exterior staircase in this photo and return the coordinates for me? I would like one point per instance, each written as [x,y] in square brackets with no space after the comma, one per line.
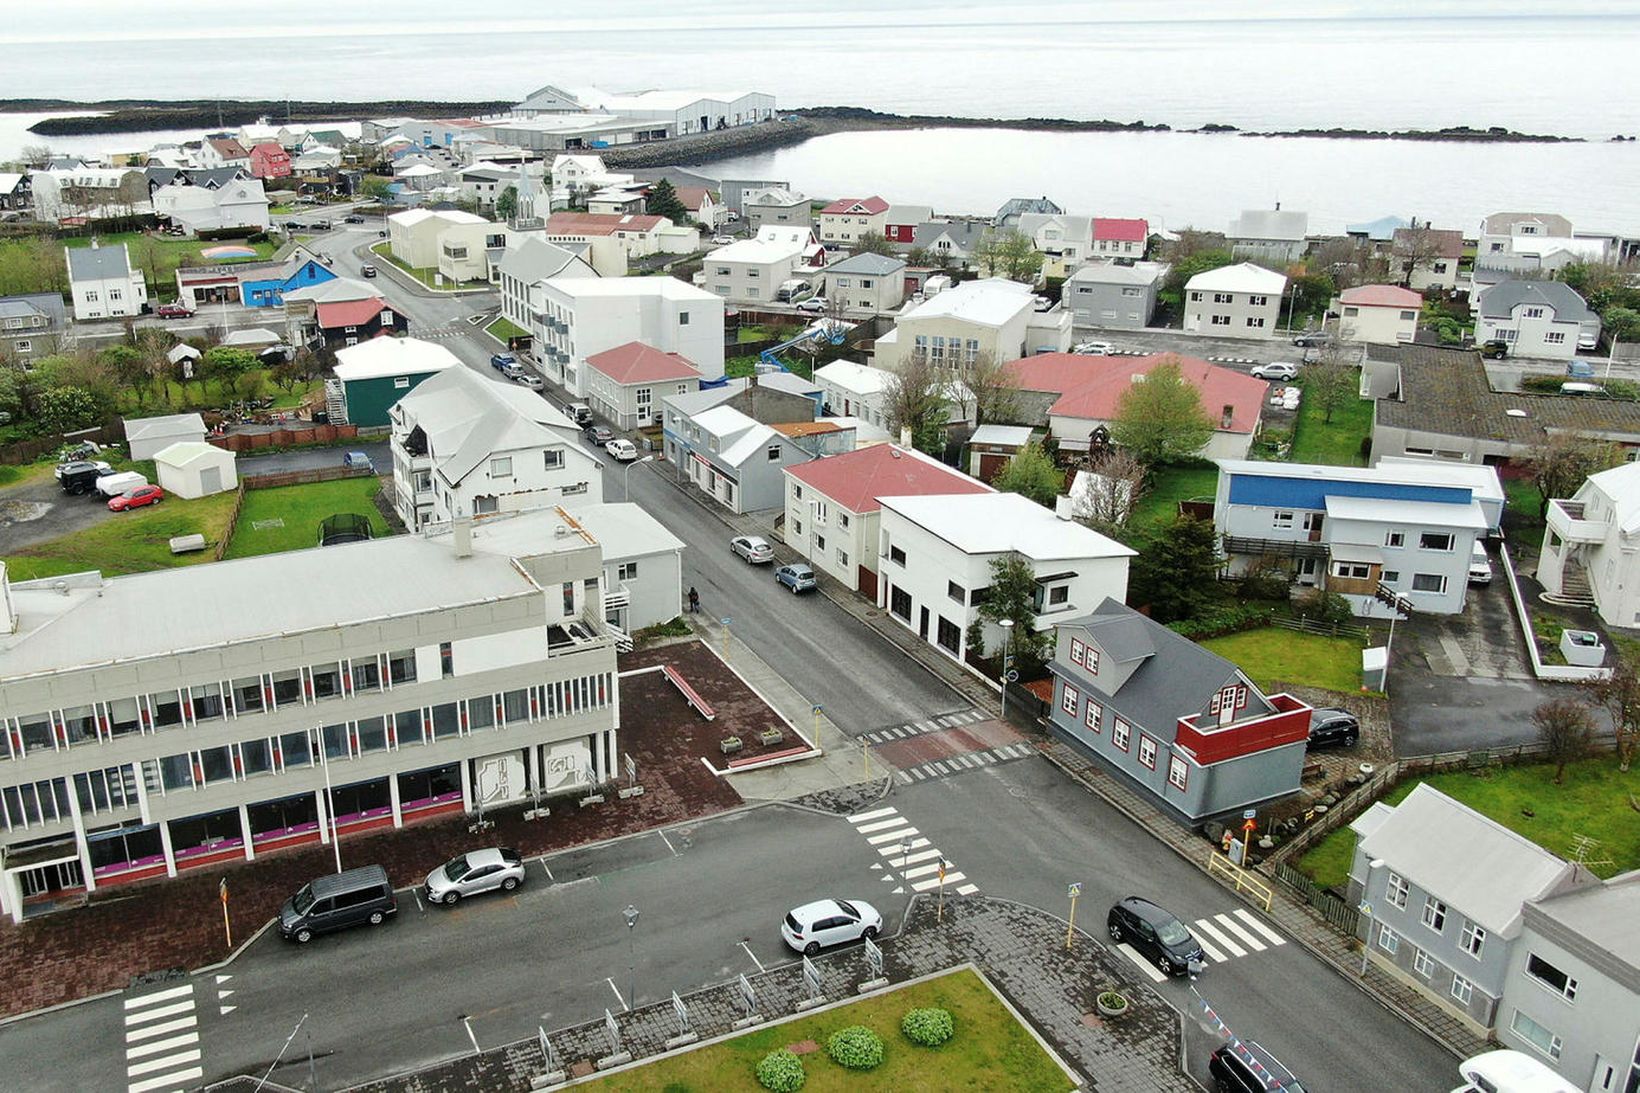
[623,640]
[1574,588]
[335,402]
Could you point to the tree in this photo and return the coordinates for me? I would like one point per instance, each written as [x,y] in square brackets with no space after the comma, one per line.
[1192,242]
[1180,273]
[130,368]
[663,200]
[1416,247]
[65,409]
[506,205]
[1160,417]
[1331,384]
[1012,596]
[1115,482]
[1177,569]
[228,365]
[914,401]
[1310,294]
[377,188]
[873,243]
[1030,473]
[1619,696]
[1565,729]
[920,256]
[35,155]
[1622,324]
[292,373]
[989,383]
[1558,464]
[1008,254]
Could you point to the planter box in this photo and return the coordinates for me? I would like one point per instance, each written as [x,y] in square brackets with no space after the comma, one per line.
[730,744]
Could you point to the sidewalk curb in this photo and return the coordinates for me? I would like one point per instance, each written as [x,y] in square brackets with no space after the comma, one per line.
[71,1003]
[231,957]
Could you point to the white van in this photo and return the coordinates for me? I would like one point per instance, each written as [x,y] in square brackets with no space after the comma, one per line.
[1480,567]
[112,485]
[1510,1072]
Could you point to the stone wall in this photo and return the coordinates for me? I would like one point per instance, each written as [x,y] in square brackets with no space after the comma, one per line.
[742,140]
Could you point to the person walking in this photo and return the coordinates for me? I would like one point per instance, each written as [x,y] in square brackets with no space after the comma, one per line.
[694,601]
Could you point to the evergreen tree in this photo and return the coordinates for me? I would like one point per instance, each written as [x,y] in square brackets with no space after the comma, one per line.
[1176,571]
[663,201]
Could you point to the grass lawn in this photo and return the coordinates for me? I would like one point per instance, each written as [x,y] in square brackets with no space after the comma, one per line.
[1524,504]
[1337,442]
[175,397]
[1166,488]
[299,509]
[990,1050]
[159,255]
[1273,653]
[504,328]
[428,276]
[1593,801]
[1328,861]
[12,474]
[128,542]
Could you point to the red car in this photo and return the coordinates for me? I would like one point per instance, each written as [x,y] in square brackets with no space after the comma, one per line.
[142,495]
[174,311]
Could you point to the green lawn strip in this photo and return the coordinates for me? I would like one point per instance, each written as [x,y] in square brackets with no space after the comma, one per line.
[127,542]
[1166,488]
[991,1050]
[12,474]
[1525,529]
[503,329]
[1337,442]
[173,397]
[1272,654]
[299,510]
[160,256]
[1328,861]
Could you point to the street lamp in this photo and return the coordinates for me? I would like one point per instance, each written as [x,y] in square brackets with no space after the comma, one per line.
[1007,661]
[1366,909]
[631,914]
[626,469]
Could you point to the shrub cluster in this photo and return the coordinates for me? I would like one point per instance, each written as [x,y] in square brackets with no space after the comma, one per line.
[781,1071]
[929,1027]
[1223,620]
[855,1047]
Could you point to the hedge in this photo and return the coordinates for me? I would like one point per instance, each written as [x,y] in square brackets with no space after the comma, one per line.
[929,1027]
[855,1047]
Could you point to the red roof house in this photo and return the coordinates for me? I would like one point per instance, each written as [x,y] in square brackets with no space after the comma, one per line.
[1120,236]
[1381,296]
[591,224]
[348,322]
[855,206]
[269,160]
[627,383]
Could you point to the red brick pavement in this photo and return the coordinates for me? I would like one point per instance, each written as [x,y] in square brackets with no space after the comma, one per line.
[926,747]
[129,930]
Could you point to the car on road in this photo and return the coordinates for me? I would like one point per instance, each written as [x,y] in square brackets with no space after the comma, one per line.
[474,872]
[1275,370]
[1246,1067]
[80,476]
[295,226]
[1495,349]
[353,218]
[320,225]
[754,548]
[499,361]
[814,926]
[1097,349]
[598,434]
[621,449]
[1156,934]
[337,901]
[138,498]
[1314,339]
[527,379]
[798,578]
[368,270]
[174,311]
[814,304]
[512,370]
[722,240]
[1331,726]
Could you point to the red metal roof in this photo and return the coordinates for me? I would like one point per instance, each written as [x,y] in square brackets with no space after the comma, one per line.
[1121,231]
[692,196]
[599,223]
[855,480]
[871,206]
[1381,296]
[636,362]
[349,312]
[1091,387]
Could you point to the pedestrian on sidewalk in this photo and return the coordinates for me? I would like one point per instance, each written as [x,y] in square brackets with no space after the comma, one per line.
[694,601]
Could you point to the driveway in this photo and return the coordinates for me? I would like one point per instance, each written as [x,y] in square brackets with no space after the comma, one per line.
[308,459]
[36,509]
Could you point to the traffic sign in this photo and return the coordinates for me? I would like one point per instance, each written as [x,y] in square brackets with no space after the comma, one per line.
[1073,889]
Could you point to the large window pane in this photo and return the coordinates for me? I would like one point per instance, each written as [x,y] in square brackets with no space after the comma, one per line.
[124,717]
[367,675]
[336,743]
[247,695]
[287,687]
[372,734]
[516,706]
[167,709]
[206,701]
[177,771]
[401,666]
[327,680]
[407,727]
[296,749]
[446,721]
[37,733]
[481,713]
[256,757]
[81,723]
[216,764]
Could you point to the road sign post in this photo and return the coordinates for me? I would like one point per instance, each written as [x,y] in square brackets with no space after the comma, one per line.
[748,996]
[682,1013]
[727,621]
[227,927]
[1074,891]
[1248,826]
[939,910]
[811,979]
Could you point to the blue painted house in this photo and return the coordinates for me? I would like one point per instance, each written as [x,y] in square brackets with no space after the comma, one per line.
[267,287]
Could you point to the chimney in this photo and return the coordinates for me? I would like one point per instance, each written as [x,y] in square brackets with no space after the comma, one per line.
[1063,509]
[905,436]
[1227,416]
[461,536]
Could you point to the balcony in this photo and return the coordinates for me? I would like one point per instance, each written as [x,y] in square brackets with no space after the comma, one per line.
[617,597]
[1566,519]
[1275,548]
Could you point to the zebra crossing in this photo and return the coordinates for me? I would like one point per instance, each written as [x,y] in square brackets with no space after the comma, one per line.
[917,728]
[162,1041]
[1222,937]
[956,764]
[904,851]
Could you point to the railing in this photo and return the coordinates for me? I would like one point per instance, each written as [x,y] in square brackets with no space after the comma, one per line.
[1242,880]
[1334,910]
[1275,548]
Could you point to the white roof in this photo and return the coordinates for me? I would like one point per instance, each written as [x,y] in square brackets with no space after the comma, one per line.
[185,452]
[1006,435]
[142,428]
[1425,513]
[380,357]
[1270,224]
[772,195]
[418,170]
[1482,481]
[759,251]
[992,301]
[669,287]
[1245,277]
[250,335]
[624,530]
[468,417]
[1476,865]
[723,421]
[992,523]
[651,100]
[1114,273]
[859,379]
[1622,486]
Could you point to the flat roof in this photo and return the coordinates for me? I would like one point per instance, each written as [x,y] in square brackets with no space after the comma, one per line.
[380,357]
[991,523]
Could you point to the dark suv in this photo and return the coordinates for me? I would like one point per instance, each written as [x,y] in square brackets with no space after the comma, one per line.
[1242,1066]
[1155,933]
[1495,350]
[1313,339]
[1330,726]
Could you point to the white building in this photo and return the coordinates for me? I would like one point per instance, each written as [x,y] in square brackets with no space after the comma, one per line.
[103,283]
[873,283]
[528,262]
[752,270]
[1500,232]
[239,204]
[643,563]
[581,316]
[1064,241]
[60,192]
[845,220]
[992,317]
[631,235]
[1379,314]
[414,234]
[776,205]
[473,252]
[861,391]
[935,555]
[1591,550]
[190,469]
[1242,301]
[1269,235]
[146,437]
[677,112]
[466,445]
[626,384]
[1536,319]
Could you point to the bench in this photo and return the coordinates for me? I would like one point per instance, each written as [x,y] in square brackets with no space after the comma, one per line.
[1312,769]
[700,704]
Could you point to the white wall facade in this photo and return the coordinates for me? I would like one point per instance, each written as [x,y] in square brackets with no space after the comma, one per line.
[1531,331]
[663,313]
[833,539]
[1232,314]
[1378,325]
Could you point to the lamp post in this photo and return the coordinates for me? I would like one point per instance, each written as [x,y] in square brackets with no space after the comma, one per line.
[1007,661]
[631,914]
[1366,909]
[626,468]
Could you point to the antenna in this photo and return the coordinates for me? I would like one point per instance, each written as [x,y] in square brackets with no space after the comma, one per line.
[1582,847]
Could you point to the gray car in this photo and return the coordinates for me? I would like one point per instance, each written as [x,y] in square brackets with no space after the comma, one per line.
[474,872]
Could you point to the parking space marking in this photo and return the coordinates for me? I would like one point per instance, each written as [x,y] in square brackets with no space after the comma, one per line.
[545,869]
[468,1025]
[1236,928]
[1253,920]
[668,843]
[618,997]
[1156,975]
[1208,928]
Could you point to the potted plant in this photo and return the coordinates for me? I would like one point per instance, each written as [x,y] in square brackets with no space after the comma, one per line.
[771,737]
[1111,1003]
[730,744]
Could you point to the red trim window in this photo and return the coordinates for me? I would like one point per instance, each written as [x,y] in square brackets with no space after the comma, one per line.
[1147,751]
[1070,700]
[1077,649]
[1090,660]
[1178,774]
[1120,732]
[1241,697]
[1095,711]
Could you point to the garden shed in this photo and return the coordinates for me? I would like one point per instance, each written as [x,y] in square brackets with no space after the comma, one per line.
[195,469]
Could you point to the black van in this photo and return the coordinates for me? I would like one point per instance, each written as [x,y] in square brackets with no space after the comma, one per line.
[337,902]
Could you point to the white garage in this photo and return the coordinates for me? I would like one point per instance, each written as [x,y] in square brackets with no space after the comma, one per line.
[195,469]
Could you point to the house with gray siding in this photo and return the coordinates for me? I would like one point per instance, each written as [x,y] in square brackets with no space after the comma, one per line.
[1109,294]
[737,461]
[1184,725]
[1269,235]
[1445,887]
[1537,319]
[32,326]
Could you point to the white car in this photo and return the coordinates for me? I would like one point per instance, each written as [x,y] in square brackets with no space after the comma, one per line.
[722,240]
[813,926]
[1096,349]
[1276,370]
[816,304]
[474,872]
[754,548]
[622,449]
[530,380]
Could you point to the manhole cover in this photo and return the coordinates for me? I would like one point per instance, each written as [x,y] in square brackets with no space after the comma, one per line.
[1016,791]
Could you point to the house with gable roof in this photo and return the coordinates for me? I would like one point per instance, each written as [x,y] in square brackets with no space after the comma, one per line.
[1379,314]
[102,283]
[1241,301]
[1184,724]
[1065,241]
[1114,294]
[1269,235]
[991,316]
[626,384]
[530,261]
[738,461]
[845,220]
[1591,549]
[32,325]
[1536,319]
[1120,237]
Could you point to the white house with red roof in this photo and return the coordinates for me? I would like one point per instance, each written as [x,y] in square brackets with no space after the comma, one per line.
[1378,314]
[1089,393]
[1120,237]
[704,208]
[626,384]
[637,236]
[846,219]
[832,511]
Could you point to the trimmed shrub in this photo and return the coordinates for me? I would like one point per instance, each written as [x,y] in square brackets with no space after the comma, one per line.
[1224,620]
[781,1071]
[855,1047]
[929,1027]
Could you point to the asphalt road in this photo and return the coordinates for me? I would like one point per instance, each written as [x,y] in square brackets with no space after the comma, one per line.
[37,510]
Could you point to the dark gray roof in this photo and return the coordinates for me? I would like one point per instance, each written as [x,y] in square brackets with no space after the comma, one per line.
[1500,301]
[675,175]
[97,263]
[1600,923]
[49,304]
[964,233]
[1014,207]
[875,265]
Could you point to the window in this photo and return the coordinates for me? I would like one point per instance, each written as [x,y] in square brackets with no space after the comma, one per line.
[1077,651]
[1535,1034]
[899,602]
[367,675]
[1434,913]
[896,555]
[1071,700]
[797,491]
[626,571]
[1177,773]
[774,453]
[1555,337]
[949,636]
[1353,570]
[1462,990]
[327,680]
[1396,893]
[401,666]
[1394,538]
[797,526]
[1435,540]
[446,659]
[1095,712]
[956,592]
[1428,582]
[1059,594]
[1221,320]
[842,557]
[1473,939]
[820,543]
[1120,732]
[1258,301]
[1281,520]
[296,750]
[501,466]
[1387,939]
[1225,298]
[1147,751]
[554,459]
[1390,576]
[1551,977]
[842,519]
[1255,321]
[1534,313]
[1422,964]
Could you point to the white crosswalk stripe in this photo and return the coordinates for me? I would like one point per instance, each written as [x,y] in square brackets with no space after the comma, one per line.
[1241,932]
[931,883]
[1206,927]
[908,856]
[1253,920]
[892,836]
[1235,934]
[163,1049]
[1212,954]
[878,825]
[1156,975]
[874,814]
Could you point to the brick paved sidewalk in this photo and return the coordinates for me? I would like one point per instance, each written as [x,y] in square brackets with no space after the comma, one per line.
[1020,949]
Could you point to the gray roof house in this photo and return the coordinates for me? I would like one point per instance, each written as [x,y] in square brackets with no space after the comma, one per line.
[32,326]
[874,282]
[1445,887]
[148,436]
[1183,724]
[1114,295]
[529,263]
[1271,234]
[950,238]
[1537,319]
[1015,207]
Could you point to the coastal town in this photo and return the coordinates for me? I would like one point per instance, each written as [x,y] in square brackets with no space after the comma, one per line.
[707,634]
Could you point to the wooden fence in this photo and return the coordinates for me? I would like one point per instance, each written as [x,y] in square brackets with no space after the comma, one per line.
[233,522]
[27,451]
[1324,629]
[1334,910]
[303,478]
[285,438]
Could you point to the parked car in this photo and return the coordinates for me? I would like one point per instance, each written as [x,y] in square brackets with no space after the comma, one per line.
[621,449]
[1276,370]
[1314,339]
[353,460]
[797,577]
[813,926]
[368,270]
[336,902]
[320,225]
[138,498]
[814,304]
[174,311]
[722,240]
[1330,725]
[113,485]
[474,872]
[512,370]
[1580,369]
[1156,934]
[80,476]
[1097,349]
[754,548]
[579,412]
[1480,566]
[1246,1067]
[598,434]
[353,218]
[1495,350]
[295,226]
[530,380]
[499,361]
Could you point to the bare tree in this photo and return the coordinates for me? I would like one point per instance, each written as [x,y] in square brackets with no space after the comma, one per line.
[915,401]
[1115,483]
[982,388]
[1619,696]
[1566,731]
[1331,383]
[1558,464]
[1191,242]
[35,155]
[1414,247]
